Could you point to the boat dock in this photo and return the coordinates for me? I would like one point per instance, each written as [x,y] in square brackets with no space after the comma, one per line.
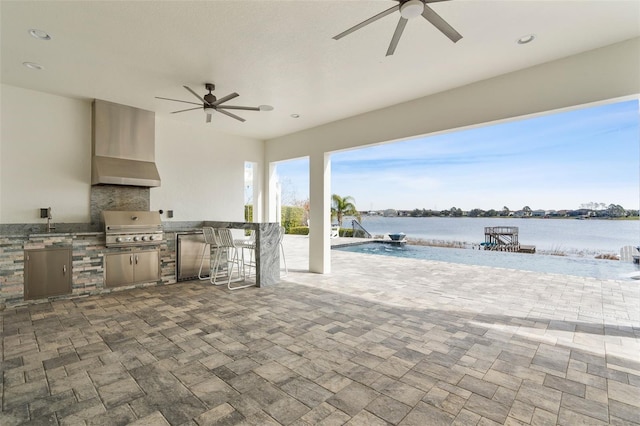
[504,238]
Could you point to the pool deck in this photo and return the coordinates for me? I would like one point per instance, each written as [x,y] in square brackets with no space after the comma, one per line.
[377,341]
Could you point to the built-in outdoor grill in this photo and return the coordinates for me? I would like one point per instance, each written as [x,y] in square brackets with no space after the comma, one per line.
[132,228]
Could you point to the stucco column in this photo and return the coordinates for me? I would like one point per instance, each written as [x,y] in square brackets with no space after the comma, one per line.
[320,213]
[271,199]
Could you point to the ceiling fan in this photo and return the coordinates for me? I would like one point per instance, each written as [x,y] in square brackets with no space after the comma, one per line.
[408,9]
[210,103]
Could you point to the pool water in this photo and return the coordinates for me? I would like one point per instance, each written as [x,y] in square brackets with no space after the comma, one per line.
[569,265]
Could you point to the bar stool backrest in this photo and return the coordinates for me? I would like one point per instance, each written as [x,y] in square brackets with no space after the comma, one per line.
[209,236]
[225,238]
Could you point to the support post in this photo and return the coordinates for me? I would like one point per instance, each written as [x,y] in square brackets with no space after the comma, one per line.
[320,213]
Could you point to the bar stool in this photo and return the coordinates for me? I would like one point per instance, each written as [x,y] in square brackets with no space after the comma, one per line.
[210,243]
[226,244]
[250,245]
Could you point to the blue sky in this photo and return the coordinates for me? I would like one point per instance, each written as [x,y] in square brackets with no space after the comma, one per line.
[556,161]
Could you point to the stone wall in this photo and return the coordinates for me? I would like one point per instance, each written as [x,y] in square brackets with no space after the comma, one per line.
[117,197]
[87,269]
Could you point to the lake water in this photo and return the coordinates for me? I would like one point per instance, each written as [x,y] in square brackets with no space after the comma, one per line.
[570,236]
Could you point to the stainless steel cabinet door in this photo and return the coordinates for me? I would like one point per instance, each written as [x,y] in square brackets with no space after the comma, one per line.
[118,269]
[47,273]
[146,266]
[189,256]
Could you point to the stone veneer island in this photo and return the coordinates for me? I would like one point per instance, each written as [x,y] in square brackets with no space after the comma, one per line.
[87,244]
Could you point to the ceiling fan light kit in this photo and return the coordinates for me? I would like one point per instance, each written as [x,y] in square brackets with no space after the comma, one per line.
[411,9]
[210,104]
[408,9]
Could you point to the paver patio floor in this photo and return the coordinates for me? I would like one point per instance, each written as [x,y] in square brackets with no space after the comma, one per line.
[377,341]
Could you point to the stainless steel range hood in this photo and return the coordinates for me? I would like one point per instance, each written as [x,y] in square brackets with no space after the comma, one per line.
[123,146]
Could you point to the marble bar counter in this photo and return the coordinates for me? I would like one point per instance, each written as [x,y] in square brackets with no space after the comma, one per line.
[267,250]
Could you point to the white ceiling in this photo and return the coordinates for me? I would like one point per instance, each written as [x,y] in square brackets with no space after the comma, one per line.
[281,53]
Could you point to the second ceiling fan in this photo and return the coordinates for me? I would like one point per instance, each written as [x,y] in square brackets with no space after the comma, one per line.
[408,9]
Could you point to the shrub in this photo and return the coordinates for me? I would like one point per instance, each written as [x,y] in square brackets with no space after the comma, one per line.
[346,232]
[248,217]
[299,230]
[248,213]
[291,217]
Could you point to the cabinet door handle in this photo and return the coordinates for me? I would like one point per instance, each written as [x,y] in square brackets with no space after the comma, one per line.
[64,269]
[136,259]
[131,260]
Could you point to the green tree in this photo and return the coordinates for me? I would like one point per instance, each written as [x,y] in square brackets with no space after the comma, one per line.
[456,212]
[341,207]
[616,210]
[527,210]
[505,211]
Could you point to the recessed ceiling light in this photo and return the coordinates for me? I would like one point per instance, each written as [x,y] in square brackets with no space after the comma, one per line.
[33,66]
[265,108]
[295,115]
[39,34]
[526,39]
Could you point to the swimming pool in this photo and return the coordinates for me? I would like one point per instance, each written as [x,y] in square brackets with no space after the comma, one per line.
[569,265]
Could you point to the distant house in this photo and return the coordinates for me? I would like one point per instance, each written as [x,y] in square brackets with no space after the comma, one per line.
[582,213]
[538,213]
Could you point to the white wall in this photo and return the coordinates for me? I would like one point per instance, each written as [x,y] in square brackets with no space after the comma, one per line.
[202,171]
[45,142]
[46,156]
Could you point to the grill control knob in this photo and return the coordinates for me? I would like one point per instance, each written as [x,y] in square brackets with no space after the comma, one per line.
[118,239]
[152,237]
[144,238]
[136,238]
